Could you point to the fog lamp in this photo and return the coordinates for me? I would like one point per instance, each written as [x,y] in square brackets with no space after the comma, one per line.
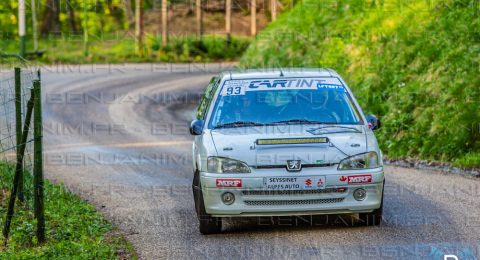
[360,194]
[228,198]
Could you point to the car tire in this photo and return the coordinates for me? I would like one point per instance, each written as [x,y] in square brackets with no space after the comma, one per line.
[373,218]
[208,224]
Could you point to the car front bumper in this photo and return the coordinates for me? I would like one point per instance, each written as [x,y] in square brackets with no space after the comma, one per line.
[251,199]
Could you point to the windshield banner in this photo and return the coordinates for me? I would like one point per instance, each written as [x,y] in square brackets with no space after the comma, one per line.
[239,87]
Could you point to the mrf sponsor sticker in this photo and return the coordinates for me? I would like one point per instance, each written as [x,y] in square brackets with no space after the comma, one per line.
[357,179]
[229,183]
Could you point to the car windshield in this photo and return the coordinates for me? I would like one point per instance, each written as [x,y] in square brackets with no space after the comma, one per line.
[283,101]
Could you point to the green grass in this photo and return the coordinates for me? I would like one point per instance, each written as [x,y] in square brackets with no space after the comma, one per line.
[469,160]
[413,63]
[73,228]
[116,49]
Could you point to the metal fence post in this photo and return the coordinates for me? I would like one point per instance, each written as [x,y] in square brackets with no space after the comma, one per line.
[18,129]
[16,178]
[38,162]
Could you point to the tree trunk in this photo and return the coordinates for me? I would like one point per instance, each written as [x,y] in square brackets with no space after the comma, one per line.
[164,23]
[273,6]
[128,12]
[228,19]
[199,18]
[139,25]
[34,25]
[51,18]
[71,17]
[253,10]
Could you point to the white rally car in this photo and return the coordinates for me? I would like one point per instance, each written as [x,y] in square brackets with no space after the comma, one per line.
[284,142]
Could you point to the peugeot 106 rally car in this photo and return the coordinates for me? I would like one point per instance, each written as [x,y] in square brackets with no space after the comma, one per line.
[284,142]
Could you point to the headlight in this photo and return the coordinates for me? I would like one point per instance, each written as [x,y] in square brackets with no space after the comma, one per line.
[360,161]
[226,165]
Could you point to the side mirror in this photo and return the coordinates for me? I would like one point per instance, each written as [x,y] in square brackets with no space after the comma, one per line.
[373,122]
[196,127]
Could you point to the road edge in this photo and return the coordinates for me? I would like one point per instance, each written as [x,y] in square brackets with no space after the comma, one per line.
[433,166]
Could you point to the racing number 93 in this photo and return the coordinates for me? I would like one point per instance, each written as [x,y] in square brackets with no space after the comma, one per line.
[234,90]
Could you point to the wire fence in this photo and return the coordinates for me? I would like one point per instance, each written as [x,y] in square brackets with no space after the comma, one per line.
[21,141]
[8,131]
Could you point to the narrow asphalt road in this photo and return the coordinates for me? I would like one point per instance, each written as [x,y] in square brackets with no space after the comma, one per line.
[118,136]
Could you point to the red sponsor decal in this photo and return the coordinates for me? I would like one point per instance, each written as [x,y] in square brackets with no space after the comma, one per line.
[343,178]
[355,179]
[308,182]
[235,183]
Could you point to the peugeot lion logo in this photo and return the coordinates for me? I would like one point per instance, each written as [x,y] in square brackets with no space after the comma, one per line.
[294,165]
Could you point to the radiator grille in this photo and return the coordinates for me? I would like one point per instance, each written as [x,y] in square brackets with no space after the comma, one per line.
[290,192]
[291,202]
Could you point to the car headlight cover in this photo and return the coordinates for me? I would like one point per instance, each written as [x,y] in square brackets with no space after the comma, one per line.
[360,161]
[226,165]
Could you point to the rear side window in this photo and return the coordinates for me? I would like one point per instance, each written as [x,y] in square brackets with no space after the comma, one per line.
[207,98]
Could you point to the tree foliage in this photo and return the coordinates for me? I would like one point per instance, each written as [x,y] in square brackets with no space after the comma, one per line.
[413,63]
[65,17]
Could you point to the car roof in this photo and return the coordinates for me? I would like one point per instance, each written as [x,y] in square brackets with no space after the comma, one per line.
[278,72]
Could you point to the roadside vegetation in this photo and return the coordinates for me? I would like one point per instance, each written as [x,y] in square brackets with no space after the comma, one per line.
[121,49]
[103,31]
[413,63]
[73,228]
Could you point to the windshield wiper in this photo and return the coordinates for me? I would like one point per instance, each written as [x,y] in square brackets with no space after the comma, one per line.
[303,121]
[238,124]
[321,129]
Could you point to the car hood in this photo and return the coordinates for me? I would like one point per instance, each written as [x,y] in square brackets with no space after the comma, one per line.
[241,144]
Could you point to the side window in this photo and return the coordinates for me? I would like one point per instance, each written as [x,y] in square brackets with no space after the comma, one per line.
[207,98]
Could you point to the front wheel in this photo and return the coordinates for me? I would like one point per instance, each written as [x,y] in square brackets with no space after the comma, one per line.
[208,224]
